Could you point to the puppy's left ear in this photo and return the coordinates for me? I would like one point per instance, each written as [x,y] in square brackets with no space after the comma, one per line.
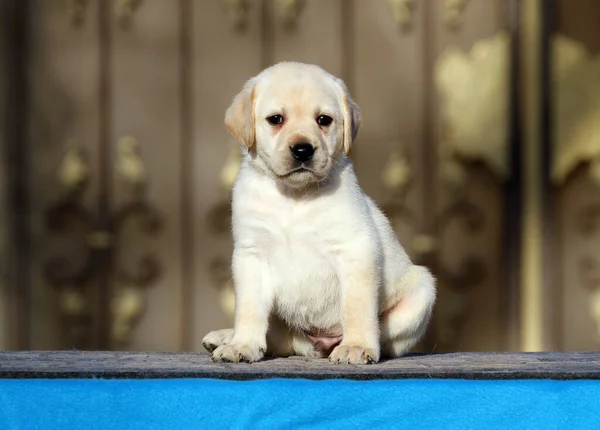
[239,117]
[352,117]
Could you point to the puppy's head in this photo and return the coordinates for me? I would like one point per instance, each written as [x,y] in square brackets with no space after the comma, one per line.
[296,120]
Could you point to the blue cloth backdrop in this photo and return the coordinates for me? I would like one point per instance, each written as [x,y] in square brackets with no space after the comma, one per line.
[297,404]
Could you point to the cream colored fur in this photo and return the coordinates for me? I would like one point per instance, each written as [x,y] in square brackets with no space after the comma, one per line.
[311,251]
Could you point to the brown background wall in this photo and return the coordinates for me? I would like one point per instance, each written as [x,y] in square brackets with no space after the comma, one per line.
[164,76]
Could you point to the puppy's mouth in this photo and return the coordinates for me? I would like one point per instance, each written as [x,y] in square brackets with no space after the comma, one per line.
[297,170]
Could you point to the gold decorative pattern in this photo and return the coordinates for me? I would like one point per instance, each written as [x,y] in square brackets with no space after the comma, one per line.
[95,240]
[230,169]
[74,171]
[130,165]
[237,10]
[453,11]
[590,274]
[424,244]
[576,141]
[129,303]
[589,269]
[73,302]
[397,178]
[474,91]
[126,308]
[289,11]
[69,219]
[74,306]
[452,312]
[397,173]
[403,12]
[75,10]
[451,170]
[124,10]
[576,109]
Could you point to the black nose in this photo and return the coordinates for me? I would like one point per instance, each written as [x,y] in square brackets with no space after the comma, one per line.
[302,151]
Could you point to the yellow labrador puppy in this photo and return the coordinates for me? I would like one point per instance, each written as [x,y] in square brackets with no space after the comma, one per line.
[317,268]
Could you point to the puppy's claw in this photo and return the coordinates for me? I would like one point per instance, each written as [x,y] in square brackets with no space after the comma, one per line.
[216,338]
[210,347]
[237,353]
[239,359]
[343,354]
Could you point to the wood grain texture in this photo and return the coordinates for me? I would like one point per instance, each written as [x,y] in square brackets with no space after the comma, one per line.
[64,84]
[138,85]
[576,328]
[478,323]
[137,365]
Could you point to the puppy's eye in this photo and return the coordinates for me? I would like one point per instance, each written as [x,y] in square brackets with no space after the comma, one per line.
[275,119]
[324,120]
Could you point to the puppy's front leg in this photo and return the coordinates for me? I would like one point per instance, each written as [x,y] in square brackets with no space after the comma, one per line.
[253,301]
[360,279]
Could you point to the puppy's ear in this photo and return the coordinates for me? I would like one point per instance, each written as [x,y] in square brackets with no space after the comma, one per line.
[239,117]
[352,117]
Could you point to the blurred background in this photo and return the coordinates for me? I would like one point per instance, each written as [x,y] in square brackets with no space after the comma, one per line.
[480,140]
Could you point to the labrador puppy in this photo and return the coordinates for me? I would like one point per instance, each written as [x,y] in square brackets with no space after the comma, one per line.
[317,268]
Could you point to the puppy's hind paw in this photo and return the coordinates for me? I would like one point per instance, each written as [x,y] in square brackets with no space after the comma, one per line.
[345,354]
[238,353]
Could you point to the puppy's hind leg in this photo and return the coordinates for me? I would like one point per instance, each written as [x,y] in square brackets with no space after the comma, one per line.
[406,322]
[216,338]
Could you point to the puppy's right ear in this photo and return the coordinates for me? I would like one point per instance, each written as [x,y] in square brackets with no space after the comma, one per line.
[239,117]
[352,116]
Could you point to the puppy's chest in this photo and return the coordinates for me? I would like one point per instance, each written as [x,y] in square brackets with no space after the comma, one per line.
[303,270]
[293,233]
[305,281]
[300,252]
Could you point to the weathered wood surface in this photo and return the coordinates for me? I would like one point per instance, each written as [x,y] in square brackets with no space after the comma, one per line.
[93,364]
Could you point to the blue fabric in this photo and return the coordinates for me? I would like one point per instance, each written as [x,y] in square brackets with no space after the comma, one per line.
[298,404]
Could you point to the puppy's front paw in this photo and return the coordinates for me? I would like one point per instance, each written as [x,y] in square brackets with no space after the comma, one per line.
[238,352]
[216,338]
[348,354]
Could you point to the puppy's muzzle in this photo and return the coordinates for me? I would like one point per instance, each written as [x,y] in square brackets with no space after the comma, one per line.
[302,151]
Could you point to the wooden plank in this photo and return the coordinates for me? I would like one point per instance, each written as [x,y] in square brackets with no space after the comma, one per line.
[63,110]
[139,365]
[577,246]
[146,106]
[468,316]
[315,36]
[6,76]
[387,81]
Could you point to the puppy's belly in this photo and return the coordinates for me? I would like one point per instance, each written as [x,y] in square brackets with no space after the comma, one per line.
[307,292]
